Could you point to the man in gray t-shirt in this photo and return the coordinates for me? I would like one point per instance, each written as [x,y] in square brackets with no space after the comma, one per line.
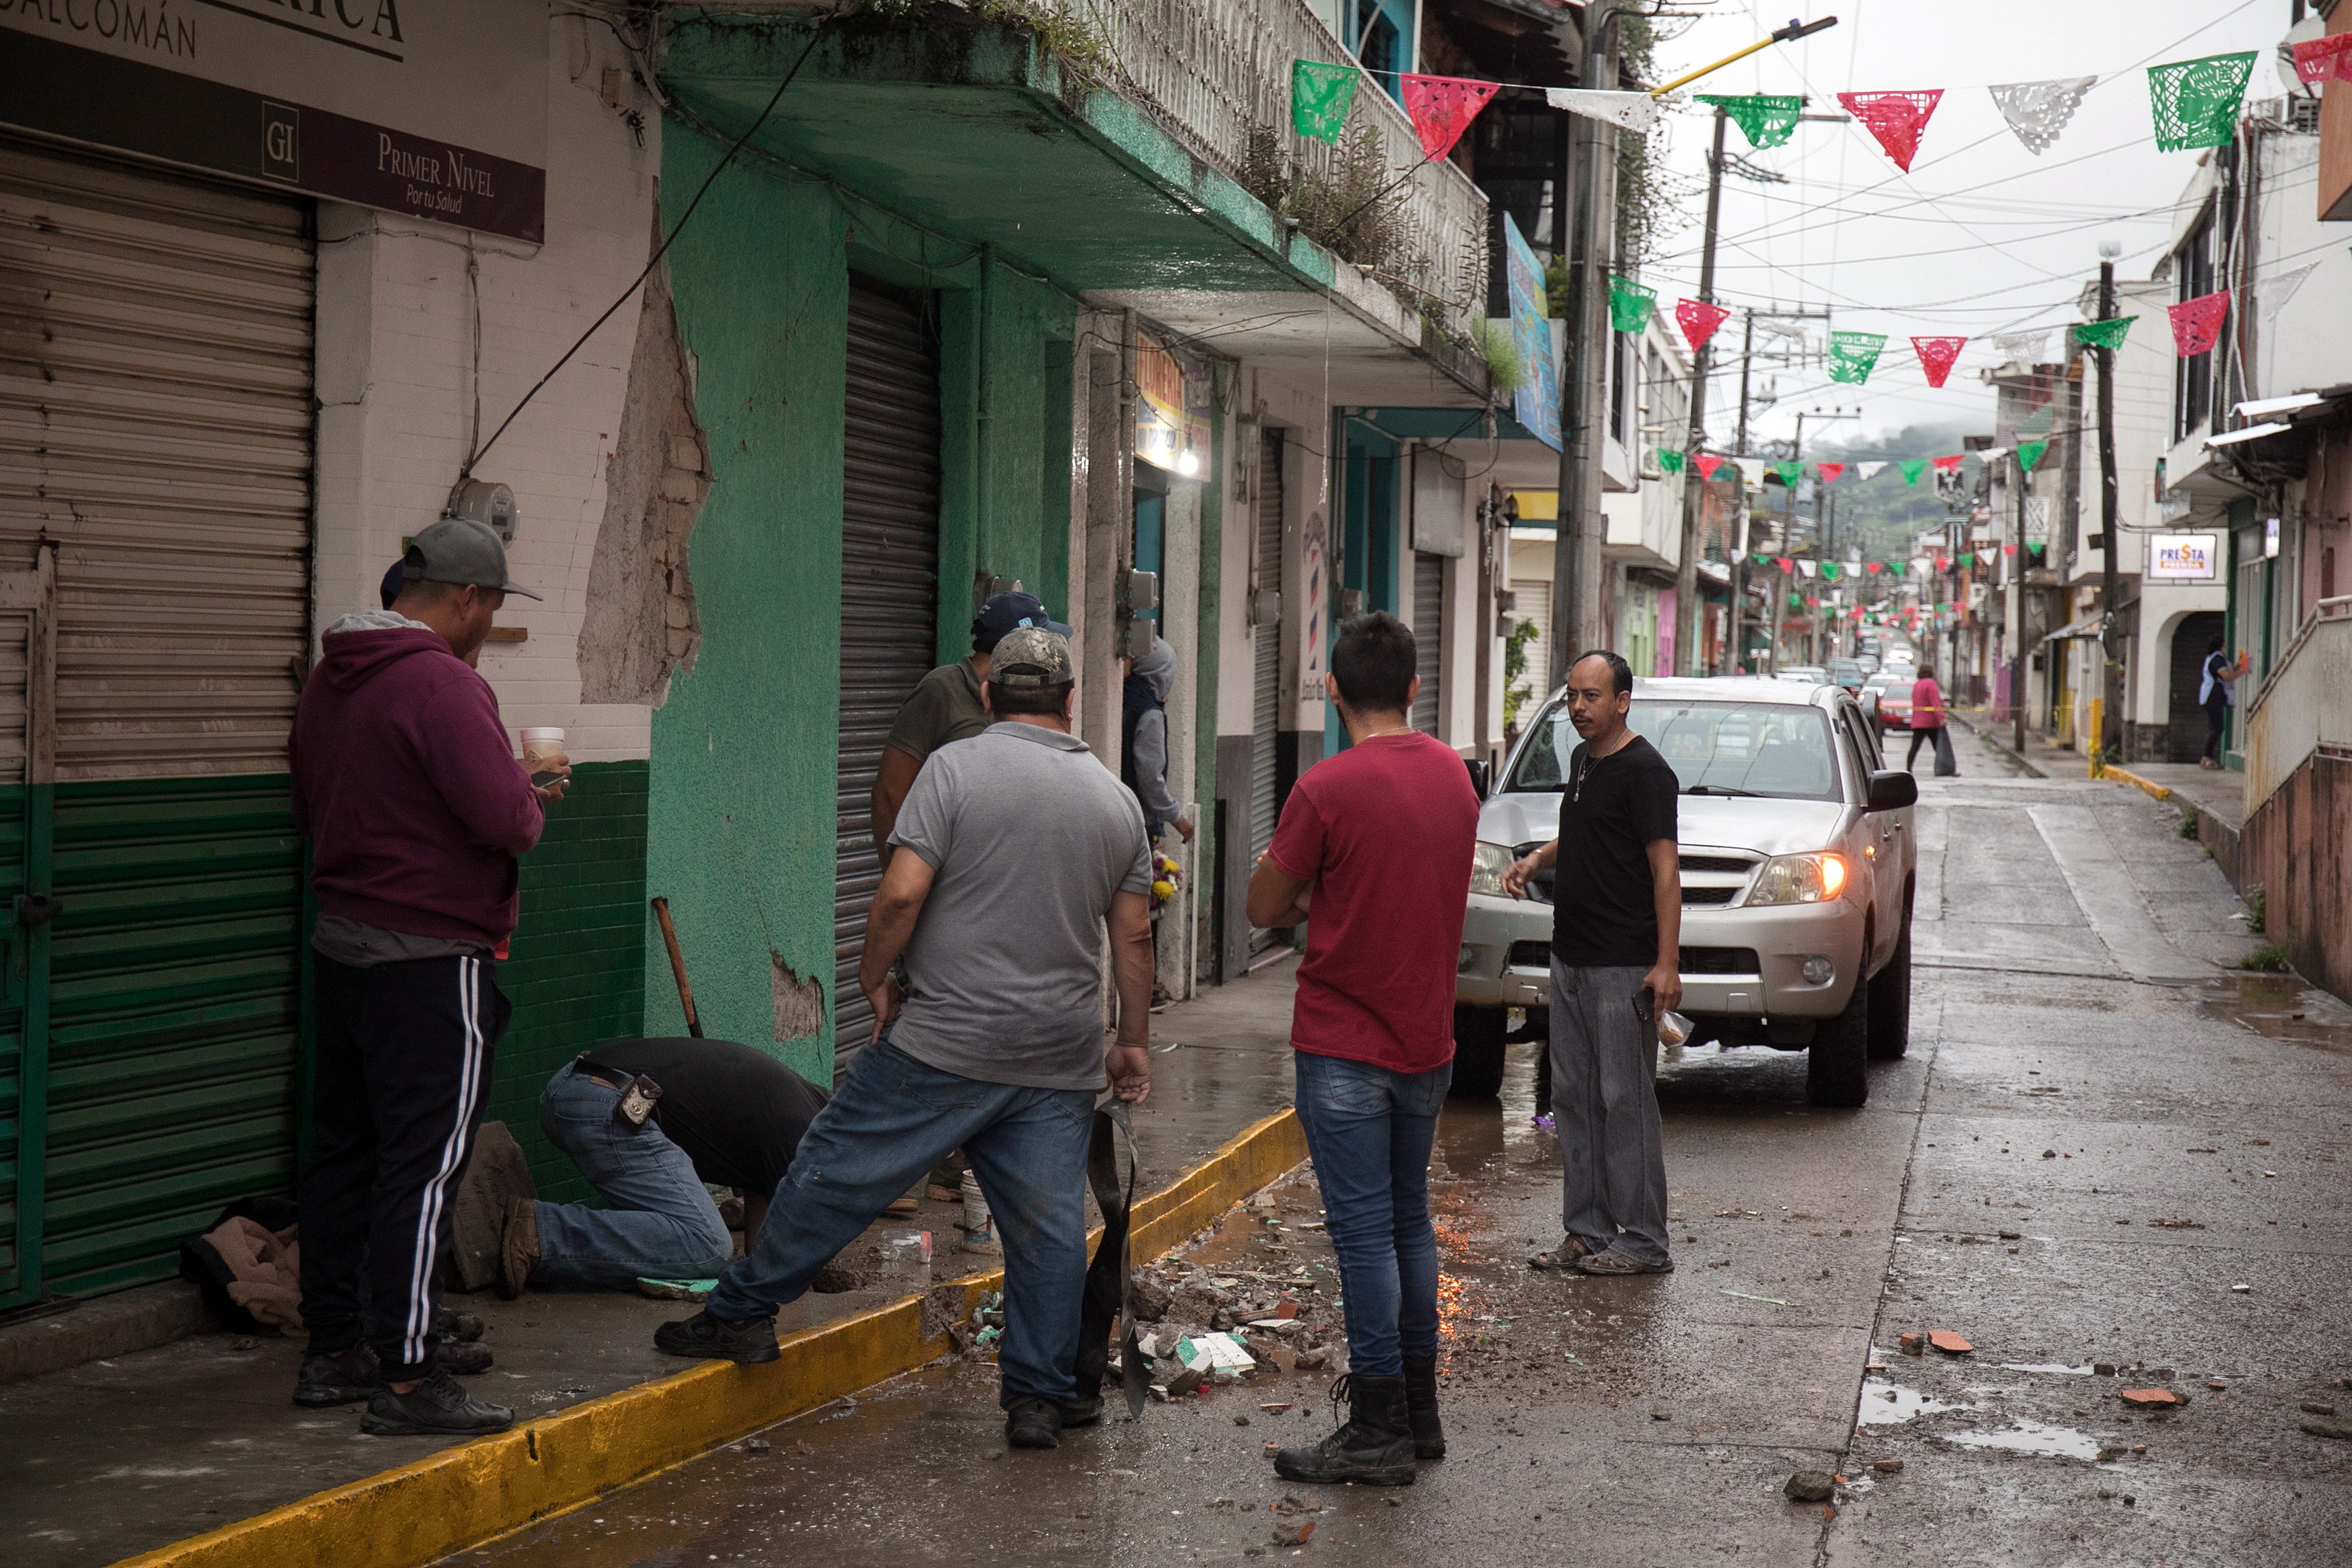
[1013,853]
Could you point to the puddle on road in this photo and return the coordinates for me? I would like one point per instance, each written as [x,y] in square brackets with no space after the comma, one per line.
[2045,1366]
[2031,1437]
[1892,1405]
[2280,1007]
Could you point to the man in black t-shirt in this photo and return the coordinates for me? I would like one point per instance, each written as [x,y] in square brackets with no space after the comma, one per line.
[727,1115]
[1615,967]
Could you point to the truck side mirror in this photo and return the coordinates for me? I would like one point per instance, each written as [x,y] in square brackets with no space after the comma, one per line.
[1481,776]
[1892,790]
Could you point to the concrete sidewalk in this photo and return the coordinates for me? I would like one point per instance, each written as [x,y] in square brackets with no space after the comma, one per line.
[132,1453]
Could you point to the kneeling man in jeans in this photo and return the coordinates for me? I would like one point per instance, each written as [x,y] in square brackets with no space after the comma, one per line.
[1378,838]
[1013,850]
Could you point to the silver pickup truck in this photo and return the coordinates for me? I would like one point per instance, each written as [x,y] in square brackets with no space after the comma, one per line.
[1798,872]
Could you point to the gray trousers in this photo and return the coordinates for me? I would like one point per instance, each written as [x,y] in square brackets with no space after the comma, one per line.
[1604,1104]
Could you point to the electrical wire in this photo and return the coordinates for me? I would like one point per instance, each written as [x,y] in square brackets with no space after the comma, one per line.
[816,31]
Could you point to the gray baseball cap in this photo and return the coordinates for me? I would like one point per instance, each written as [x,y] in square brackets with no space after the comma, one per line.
[1029,657]
[456,549]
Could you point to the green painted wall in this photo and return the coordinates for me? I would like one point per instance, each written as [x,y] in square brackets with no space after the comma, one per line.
[741,818]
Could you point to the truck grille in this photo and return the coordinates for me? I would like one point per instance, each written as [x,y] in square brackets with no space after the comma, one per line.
[1718,862]
[1710,895]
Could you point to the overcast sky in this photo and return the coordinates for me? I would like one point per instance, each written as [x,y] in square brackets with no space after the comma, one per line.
[1982,237]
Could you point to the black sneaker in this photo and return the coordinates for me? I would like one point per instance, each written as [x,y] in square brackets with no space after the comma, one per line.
[1034,1422]
[710,1338]
[453,1325]
[437,1408]
[1081,1410]
[345,1378]
[465,1358]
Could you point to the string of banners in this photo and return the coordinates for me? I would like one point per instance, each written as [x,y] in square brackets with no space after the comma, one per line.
[2191,103]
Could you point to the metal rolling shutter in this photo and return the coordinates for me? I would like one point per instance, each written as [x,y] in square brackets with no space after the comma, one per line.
[1428,635]
[155,421]
[890,593]
[1265,708]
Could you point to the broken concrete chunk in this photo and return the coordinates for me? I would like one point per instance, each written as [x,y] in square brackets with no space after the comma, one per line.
[1950,1343]
[2103,1369]
[2327,1427]
[2318,1408]
[1810,1486]
[1913,1344]
[2154,1398]
[1294,1534]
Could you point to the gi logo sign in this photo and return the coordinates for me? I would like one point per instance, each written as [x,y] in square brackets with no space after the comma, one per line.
[281,142]
[2183,558]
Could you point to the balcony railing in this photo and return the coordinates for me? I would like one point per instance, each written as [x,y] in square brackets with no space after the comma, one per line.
[1216,75]
[2301,707]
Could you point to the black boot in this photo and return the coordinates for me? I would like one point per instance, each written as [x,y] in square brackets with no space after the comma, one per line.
[1374,1445]
[1420,1408]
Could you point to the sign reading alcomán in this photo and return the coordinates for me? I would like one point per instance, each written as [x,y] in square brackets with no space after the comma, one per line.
[437,108]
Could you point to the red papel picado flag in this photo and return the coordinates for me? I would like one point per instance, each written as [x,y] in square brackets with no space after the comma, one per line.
[1443,107]
[1936,356]
[1707,464]
[1894,119]
[1829,472]
[1946,465]
[2196,323]
[1698,321]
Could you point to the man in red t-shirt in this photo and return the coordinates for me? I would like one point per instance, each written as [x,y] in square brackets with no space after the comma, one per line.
[1378,838]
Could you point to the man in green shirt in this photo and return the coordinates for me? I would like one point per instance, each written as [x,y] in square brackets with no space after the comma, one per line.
[945,705]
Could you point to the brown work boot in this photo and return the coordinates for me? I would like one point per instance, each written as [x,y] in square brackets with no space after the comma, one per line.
[518,1247]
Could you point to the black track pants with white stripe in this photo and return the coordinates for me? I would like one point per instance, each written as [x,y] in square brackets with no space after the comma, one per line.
[403,1068]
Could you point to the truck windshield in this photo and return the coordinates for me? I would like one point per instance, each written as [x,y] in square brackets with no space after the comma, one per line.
[1774,749]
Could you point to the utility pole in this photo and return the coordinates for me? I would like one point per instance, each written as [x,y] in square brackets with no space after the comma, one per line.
[2111,685]
[2017,657]
[1702,363]
[1587,189]
[1576,552]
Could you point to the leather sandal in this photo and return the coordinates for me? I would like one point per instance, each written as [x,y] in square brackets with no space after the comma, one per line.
[1564,1259]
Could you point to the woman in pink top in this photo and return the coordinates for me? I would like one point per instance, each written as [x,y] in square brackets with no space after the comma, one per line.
[1926,715]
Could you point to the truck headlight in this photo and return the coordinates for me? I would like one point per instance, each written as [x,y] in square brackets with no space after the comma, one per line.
[1488,864]
[1799,879]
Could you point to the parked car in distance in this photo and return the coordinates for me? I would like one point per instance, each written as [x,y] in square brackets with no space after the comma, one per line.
[1849,674]
[1803,675]
[1798,868]
[1886,699]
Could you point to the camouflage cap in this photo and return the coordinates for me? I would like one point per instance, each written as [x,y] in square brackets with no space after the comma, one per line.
[1029,657]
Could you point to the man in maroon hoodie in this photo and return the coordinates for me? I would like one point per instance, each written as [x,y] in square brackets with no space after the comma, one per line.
[416,807]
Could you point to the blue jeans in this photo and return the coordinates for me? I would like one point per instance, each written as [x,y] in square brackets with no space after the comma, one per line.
[661,1224]
[886,1126]
[1369,1131]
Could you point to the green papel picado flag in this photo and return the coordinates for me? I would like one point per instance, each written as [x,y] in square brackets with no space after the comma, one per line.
[1854,355]
[1629,305]
[1320,97]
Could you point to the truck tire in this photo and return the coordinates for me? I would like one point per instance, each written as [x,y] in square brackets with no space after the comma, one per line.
[1837,1066]
[1477,1052]
[1890,1002]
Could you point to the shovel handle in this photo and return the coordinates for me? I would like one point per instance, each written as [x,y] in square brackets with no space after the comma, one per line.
[677,968]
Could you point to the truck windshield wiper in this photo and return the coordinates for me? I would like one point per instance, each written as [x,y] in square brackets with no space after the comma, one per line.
[1723,790]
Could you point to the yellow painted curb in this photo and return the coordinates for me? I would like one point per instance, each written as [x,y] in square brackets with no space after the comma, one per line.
[464,1496]
[2156,791]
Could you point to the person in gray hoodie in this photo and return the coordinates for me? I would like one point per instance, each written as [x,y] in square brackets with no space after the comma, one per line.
[1143,740]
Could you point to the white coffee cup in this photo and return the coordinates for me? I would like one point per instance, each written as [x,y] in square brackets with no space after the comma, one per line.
[539,745]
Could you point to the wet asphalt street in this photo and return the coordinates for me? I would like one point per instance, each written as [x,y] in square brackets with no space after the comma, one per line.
[2105,1147]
